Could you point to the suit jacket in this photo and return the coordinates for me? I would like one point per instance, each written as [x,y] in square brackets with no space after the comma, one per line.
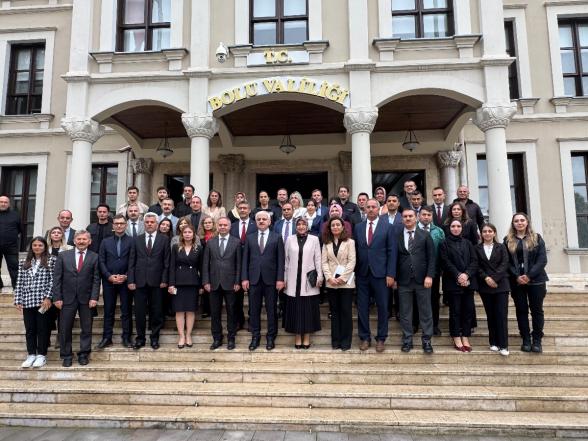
[495,267]
[149,269]
[195,218]
[536,260]
[140,227]
[71,286]
[94,230]
[279,225]
[184,269]
[451,270]
[236,229]
[109,260]
[70,238]
[34,287]
[444,214]
[222,272]
[397,220]
[266,268]
[345,257]
[418,264]
[379,258]
[311,260]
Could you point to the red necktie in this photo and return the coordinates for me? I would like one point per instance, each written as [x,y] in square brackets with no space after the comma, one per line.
[80,262]
[243,232]
[439,213]
[370,233]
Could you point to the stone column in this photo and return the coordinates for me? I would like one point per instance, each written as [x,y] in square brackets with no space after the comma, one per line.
[345,166]
[232,167]
[201,128]
[492,119]
[84,132]
[143,169]
[448,161]
[359,123]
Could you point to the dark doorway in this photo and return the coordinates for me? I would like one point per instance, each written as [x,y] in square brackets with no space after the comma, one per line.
[20,185]
[302,182]
[175,187]
[394,181]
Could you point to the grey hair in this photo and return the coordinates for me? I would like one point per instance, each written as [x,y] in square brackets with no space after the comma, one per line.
[263,212]
[151,214]
[80,232]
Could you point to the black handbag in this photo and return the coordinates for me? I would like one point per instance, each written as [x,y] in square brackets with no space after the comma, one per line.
[312,277]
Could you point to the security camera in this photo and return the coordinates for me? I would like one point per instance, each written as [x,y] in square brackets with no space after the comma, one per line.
[222,53]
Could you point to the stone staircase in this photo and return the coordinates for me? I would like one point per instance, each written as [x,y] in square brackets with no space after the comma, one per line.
[318,389]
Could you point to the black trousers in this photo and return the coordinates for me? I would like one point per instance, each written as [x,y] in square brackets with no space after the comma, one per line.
[67,317]
[496,307]
[461,312]
[148,299]
[205,303]
[111,292]
[268,295]
[216,306]
[529,297]
[435,303]
[341,303]
[238,310]
[10,254]
[38,330]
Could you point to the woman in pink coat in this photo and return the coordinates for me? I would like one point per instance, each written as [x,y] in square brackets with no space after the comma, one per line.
[303,278]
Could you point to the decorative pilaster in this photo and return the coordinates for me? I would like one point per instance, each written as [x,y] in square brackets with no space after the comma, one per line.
[82,129]
[200,128]
[360,122]
[448,161]
[232,166]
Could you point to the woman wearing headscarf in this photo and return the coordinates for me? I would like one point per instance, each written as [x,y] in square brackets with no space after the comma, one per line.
[336,210]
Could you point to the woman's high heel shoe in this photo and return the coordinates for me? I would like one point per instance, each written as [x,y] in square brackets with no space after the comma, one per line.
[297,346]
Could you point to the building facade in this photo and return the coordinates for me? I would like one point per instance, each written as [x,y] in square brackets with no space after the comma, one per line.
[94,92]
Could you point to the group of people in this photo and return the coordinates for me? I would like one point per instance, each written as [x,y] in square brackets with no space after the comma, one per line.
[391,250]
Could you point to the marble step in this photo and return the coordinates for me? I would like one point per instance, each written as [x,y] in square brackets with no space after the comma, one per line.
[468,422]
[345,396]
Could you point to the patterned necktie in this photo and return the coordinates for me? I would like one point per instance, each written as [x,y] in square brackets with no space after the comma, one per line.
[261,243]
[149,245]
[222,246]
[243,231]
[287,232]
[410,241]
[370,233]
[80,261]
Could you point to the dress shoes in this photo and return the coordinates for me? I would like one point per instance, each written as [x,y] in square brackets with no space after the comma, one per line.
[126,343]
[526,346]
[271,344]
[406,347]
[231,344]
[216,344]
[138,344]
[380,346]
[104,343]
[155,344]
[83,360]
[254,344]
[364,345]
[66,362]
[427,347]
[536,347]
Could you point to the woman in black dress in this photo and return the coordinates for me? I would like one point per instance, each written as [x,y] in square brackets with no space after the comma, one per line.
[184,282]
[493,287]
[460,267]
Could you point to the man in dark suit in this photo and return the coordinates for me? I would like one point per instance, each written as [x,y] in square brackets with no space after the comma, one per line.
[240,229]
[262,273]
[393,216]
[286,227]
[64,218]
[76,287]
[147,275]
[416,269]
[10,230]
[196,213]
[440,208]
[134,223]
[114,263]
[408,187]
[183,207]
[162,194]
[101,229]
[416,201]
[375,272]
[221,277]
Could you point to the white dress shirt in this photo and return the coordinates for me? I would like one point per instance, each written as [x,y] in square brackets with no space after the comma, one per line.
[367,228]
[265,236]
[406,236]
[287,223]
[488,250]
[83,253]
[152,238]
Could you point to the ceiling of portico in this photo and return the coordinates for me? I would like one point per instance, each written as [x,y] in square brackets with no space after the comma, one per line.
[149,122]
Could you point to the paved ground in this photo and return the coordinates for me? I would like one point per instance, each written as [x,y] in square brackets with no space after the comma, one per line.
[43,434]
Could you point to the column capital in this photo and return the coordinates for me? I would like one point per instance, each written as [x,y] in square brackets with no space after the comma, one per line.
[360,119]
[232,163]
[491,116]
[142,165]
[201,125]
[345,161]
[82,129]
[448,158]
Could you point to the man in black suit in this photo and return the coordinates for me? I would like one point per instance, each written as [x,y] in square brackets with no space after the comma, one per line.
[440,208]
[408,187]
[10,230]
[76,287]
[114,263]
[196,213]
[64,218]
[416,269]
[221,276]
[350,210]
[147,275]
[102,229]
[263,275]
[183,207]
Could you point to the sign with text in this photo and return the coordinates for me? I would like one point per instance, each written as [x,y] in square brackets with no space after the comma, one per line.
[271,57]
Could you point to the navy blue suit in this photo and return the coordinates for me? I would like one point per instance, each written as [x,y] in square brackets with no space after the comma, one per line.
[263,270]
[236,229]
[375,262]
[111,263]
[280,224]
[239,295]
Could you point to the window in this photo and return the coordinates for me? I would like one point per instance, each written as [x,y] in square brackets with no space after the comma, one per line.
[422,18]
[143,25]
[278,21]
[104,183]
[513,75]
[20,185]
[25,84]
[579,169]
[516,177]
[573,43]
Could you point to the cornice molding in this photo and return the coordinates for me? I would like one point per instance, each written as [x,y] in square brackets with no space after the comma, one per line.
[35,9]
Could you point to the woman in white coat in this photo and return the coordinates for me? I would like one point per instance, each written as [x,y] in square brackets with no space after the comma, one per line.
[303,277]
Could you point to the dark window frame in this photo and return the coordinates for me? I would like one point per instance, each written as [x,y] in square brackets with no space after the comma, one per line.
[148,26]
[25,197]
[33,70]
[420,12]
[279,19]
[511,50]
[579,74]
[582,215]
[102,193]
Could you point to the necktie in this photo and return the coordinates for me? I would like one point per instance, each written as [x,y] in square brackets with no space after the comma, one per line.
[118,247]
[134,229]
[370,233]
[287,232]
[439,213]
[261,243]
[222,246]
[243,231]
[410,241]
[149,245]
[80,261]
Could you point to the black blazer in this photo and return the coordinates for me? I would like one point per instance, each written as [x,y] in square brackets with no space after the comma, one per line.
[266,268]
[222,272]
[421,263]
[184,269]
[70,239]
[110,262]
[149,269]
[495,267]
[195,218]
[444,214]
[451,270]
[536,261]
[71,286]
[236,229]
